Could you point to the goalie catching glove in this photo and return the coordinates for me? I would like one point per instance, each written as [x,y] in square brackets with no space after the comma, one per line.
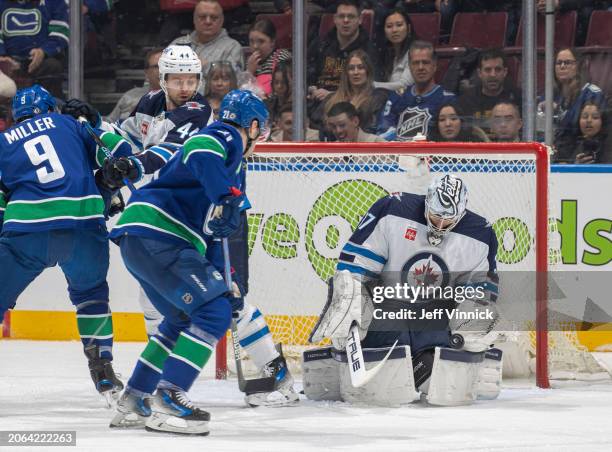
[349,301]
[475,335]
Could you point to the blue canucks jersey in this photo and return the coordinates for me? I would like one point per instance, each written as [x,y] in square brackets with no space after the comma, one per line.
[26,25]
[47,165]
[410,113]
[175,205]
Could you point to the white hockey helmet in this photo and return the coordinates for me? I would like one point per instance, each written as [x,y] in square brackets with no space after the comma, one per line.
[445,203]
[178,59]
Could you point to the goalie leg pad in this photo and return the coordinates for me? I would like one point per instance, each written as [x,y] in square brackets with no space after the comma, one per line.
[516,354]
[392,386]
[454,377]
[488,385]
[321,374]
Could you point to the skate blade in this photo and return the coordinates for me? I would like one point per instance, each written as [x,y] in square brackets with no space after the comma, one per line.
[272,400]
[131,420]
[165,423]
[110,397]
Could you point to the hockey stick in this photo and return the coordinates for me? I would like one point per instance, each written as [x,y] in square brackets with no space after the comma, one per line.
[356,362]
[251,386]
[104,149]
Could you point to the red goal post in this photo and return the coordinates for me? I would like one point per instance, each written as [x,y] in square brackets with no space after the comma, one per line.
[536,153]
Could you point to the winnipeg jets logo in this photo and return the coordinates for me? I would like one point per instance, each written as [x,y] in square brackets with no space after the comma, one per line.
[448,193]
[425,269]
[412,121]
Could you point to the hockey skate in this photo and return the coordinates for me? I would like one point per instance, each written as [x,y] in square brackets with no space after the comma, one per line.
[173,412]
[283,394]
[103,376]
[132,411]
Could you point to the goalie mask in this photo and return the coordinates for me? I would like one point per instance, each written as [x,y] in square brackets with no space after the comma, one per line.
[445,205]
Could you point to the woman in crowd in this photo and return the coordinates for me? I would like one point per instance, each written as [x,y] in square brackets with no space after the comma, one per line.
[590,145]
[572,91]
[395,57]
[220,80]
[265,57]
[357,87]
[450,126]
[282,86]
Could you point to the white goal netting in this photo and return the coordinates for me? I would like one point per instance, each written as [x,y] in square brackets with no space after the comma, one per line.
[307,200]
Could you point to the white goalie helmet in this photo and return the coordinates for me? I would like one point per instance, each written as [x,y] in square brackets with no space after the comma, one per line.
[178,59]
[445,206]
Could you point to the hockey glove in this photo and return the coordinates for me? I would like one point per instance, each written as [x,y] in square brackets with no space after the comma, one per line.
[115,170]
[474,335]
[77,108]
[226,217]
[117,204]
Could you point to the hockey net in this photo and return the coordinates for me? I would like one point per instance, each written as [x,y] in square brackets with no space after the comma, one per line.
[308,198]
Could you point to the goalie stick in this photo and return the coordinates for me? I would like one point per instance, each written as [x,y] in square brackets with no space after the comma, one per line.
[102,146]
[354,355]
[356,362]
[254,385]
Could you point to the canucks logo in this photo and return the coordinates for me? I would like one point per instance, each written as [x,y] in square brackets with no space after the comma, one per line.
[412,121]
[20,22]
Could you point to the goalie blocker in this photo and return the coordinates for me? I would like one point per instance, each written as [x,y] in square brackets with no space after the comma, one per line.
[440,376]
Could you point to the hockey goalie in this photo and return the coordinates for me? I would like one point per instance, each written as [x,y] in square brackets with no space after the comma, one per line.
[441,353]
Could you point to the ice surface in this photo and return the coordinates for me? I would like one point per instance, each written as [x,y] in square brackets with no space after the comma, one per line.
[46,386]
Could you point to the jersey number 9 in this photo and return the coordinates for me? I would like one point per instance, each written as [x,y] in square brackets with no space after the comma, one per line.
[32,149]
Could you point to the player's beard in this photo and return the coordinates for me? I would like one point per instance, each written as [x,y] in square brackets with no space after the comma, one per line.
[178,101]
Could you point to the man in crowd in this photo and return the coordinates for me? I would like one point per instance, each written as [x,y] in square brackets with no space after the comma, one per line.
[506,122]
[343,123]
[284,131]
[327,56]
[209,39]
[412,113]
[493,88]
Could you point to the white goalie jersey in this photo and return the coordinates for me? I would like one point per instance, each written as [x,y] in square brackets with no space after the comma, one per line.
[391,243]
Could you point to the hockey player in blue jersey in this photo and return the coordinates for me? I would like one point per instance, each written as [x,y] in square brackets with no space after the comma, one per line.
[253,332]
[52,213]
[166,238]
[413,241]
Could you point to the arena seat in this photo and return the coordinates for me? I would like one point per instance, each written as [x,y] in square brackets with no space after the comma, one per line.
[565,30]
[600,29]
[479,30]
[426,26]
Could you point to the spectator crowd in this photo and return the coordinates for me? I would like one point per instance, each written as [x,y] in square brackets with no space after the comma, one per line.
[372,74]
